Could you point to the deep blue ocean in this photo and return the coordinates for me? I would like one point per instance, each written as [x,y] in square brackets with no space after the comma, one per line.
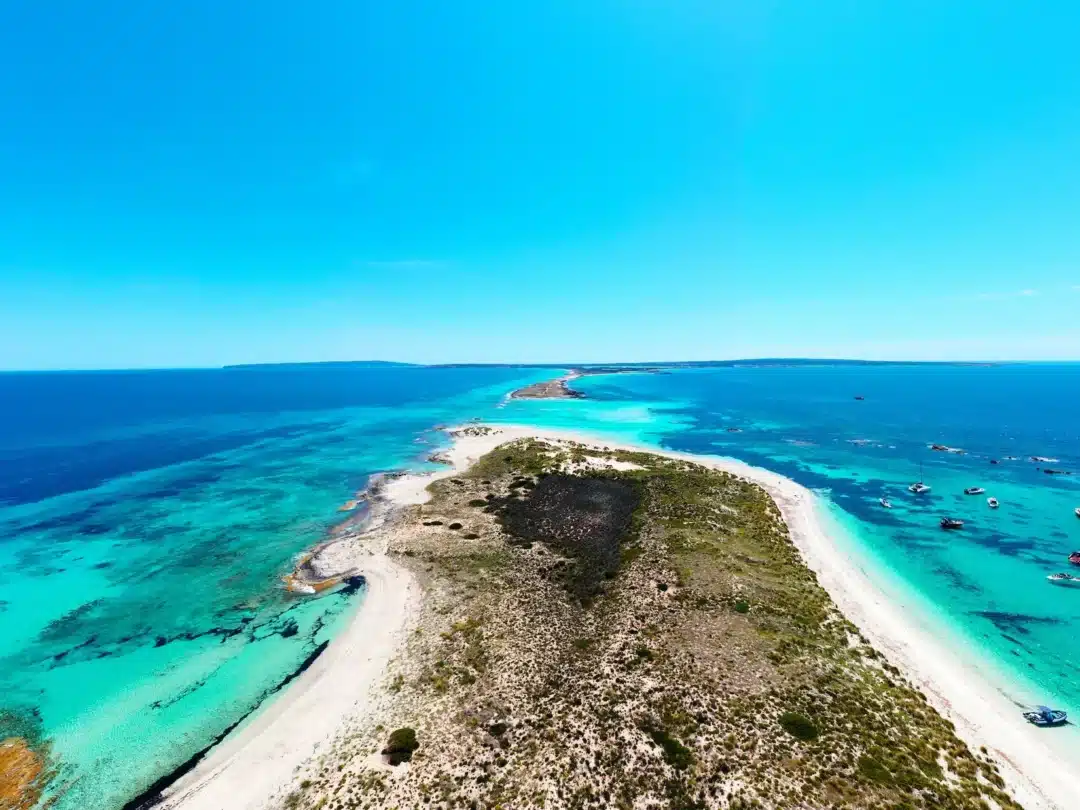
[146,519]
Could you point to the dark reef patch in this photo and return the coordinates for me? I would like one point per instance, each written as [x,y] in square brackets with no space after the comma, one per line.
[957,579]
[1002,544]
[71,623]
[1014,623]
[351,585]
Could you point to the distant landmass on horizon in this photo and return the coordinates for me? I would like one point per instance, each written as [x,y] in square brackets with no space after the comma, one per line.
[760,361]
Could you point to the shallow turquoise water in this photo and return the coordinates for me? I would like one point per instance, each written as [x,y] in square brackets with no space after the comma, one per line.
[146,532]
[140,604]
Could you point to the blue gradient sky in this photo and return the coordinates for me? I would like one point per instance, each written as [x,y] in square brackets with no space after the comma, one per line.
[205,183]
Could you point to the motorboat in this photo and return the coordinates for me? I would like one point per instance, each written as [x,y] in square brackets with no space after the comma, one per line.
[1044,716]
[885,502]
[974,491]
[1063,579]
[951,523]
[1076,511]
[1074,558]
[992,503]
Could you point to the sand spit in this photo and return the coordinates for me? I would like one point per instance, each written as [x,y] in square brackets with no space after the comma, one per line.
[353,684]
[550,389]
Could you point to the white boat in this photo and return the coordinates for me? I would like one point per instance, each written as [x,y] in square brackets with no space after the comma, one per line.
[992,503]
[885,502]
[1077,511]
[974,491]
[1064,579]
[919,487]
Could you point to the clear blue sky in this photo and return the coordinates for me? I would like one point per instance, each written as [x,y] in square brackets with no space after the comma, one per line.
[202,183]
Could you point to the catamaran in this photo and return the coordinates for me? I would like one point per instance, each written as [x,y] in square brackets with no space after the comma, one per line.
[919,487]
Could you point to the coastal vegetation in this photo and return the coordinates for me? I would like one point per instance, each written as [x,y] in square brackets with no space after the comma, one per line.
[614,629]
[400,746]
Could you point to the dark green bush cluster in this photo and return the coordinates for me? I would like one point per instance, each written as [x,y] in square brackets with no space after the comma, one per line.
[874,771]
[400,746]
[676,754]
[799,726]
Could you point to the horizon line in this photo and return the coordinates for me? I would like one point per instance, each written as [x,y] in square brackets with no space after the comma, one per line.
[553,365]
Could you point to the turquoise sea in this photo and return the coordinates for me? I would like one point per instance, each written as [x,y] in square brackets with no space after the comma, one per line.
[146,519]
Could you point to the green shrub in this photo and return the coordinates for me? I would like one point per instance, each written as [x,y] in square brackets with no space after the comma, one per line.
[742,606]
[798,726]
[676,754]
[478,502]
[873,771]
[400,746]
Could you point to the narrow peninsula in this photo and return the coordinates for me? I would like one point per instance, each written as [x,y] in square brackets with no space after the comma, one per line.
[561,624]
[550,389]
[559,388]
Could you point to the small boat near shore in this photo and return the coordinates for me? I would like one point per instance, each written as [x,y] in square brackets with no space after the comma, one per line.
[1064,579]
[992,503]
[1044,716]
[974,491]
[951,523]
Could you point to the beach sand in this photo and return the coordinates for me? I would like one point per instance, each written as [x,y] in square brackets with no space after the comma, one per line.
[257,766]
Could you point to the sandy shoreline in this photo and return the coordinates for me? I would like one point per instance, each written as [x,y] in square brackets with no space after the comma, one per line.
[257,765]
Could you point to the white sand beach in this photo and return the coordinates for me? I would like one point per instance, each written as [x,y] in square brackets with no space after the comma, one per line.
[257,765]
